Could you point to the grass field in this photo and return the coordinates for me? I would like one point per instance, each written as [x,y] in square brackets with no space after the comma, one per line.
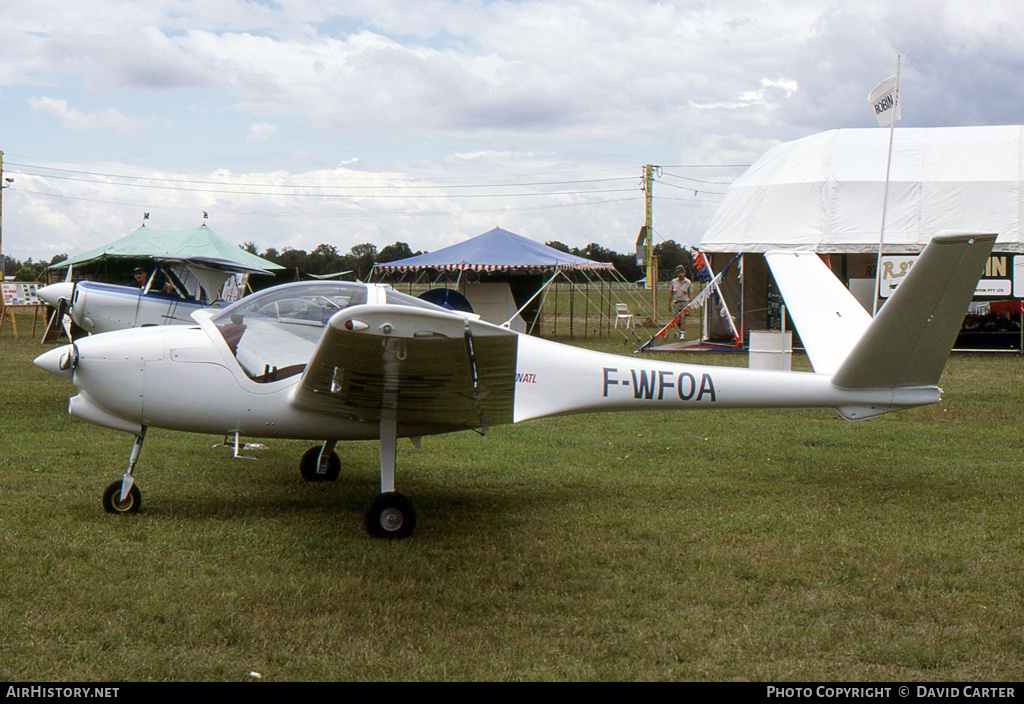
[665,546]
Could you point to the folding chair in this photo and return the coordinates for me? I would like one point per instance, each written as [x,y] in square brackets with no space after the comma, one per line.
[622,313]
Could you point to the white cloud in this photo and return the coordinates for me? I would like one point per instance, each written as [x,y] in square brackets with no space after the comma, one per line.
[109,120]
[454,92]
[261,132]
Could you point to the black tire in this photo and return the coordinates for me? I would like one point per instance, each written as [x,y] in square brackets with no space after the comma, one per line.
[391,516]
[112,499]
[308,466]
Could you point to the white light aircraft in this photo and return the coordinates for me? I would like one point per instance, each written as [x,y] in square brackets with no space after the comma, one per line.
[343,361]
[176,288]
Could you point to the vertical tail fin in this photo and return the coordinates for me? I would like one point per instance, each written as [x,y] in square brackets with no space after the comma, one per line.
[909,340]
[830,320]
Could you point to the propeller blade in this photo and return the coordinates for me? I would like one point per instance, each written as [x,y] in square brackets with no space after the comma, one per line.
[66,323]
[54,325]
[69,361]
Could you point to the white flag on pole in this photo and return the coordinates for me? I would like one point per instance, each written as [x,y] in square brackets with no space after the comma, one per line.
[884,100]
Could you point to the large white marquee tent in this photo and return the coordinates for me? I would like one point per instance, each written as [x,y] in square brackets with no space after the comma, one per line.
[825,193]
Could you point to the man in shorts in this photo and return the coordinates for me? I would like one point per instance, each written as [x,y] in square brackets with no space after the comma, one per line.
[680,298]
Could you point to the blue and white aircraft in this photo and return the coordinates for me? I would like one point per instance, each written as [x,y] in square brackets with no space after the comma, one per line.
[168,295]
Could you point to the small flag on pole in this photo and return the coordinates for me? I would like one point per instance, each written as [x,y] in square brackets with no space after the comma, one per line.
[884,100]
[700,267]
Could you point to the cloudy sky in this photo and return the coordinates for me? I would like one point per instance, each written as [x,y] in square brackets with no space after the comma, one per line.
[293,123]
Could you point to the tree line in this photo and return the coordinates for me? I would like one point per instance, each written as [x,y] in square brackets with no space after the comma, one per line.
[29,270]
[326,259]
[359,260]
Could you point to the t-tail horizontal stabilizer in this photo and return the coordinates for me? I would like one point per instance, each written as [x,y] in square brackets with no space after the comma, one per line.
[906,345]
[908,342]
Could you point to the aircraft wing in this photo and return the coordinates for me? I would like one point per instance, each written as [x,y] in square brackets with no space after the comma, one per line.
[210,264]
[431,368]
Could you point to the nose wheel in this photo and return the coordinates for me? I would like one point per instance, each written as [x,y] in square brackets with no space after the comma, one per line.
[320,464]
[113,503]
[122,496]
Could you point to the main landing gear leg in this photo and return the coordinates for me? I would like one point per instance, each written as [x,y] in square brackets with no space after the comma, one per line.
[391,515]
[122,496]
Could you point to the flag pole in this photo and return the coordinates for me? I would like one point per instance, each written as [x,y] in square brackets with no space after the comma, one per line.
[885,198]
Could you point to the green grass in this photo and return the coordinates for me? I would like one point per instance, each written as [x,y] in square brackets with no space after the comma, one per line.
[663,546]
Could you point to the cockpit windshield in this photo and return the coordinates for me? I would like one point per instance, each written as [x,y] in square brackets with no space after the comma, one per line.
[273,333]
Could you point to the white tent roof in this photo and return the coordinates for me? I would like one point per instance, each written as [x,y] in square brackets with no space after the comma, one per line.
[824,193]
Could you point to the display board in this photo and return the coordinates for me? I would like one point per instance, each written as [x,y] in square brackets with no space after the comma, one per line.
[20,294]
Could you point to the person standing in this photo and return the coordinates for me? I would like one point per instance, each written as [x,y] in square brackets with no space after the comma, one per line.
[680,298]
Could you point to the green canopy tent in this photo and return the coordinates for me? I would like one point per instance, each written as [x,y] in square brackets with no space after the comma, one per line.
[147,242]
[199,258]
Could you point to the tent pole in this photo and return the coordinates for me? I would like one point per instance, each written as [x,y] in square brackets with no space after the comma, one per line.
[586,322]
[572,309]
[543,302]
[605,307]
[554,327]
[743,296]
[530,299]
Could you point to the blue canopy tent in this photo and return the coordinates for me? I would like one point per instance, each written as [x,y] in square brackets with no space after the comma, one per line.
[495,250]
[502,256]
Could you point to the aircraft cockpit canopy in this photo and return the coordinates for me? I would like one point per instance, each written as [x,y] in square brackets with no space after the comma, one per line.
[273,333]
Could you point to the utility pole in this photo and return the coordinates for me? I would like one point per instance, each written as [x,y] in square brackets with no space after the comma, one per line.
[648,235]
[649,223]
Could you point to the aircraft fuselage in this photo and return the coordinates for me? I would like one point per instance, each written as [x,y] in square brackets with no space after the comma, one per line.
[186,378]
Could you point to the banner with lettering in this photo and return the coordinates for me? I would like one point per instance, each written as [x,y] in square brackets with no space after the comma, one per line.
[884,100]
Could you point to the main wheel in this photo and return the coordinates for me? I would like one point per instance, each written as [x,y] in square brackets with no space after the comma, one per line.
[112,498]
[391,515]
[309,464]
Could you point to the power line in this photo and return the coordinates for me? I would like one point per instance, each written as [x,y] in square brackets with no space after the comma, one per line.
[356,193]
[698,180]
[332,214]
[705,166]
[407,191]
[306,194]
[164,179]
[695,190]
[146,170]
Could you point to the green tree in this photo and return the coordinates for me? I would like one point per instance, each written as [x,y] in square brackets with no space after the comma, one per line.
[293,258]
[394,252]
[670,255]
[364,256]
[30,271]
[325,260]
